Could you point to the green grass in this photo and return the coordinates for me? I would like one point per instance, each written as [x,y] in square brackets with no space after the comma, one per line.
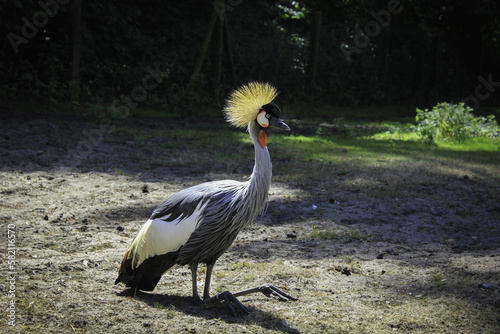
[398,159]
[380,157]
[169,310]
[51,245]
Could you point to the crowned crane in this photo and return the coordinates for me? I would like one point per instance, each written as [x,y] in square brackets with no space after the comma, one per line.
[198,224]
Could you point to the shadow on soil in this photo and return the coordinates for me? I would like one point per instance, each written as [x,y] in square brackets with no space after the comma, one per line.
[213,310]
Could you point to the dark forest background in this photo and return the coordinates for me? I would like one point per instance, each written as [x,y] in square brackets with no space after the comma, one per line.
[323,53]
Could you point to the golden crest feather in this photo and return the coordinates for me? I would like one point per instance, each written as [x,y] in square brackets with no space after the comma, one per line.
[244,103]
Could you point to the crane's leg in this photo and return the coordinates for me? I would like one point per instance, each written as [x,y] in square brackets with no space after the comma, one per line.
[206,289]
[194,270]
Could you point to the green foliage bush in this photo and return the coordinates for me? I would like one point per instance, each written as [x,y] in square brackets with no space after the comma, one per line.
[454,122]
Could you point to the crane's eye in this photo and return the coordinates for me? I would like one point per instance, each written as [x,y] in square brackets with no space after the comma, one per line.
[263,119]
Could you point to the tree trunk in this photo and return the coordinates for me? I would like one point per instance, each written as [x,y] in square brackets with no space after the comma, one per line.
[436,96]
[313,53]
[204,45]
[229,52]
[386,67]
[217,58]
[75,18]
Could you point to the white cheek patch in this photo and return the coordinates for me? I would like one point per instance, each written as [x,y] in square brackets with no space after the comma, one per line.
[262,119]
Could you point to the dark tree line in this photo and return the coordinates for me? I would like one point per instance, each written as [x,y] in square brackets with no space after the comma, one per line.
[371,52]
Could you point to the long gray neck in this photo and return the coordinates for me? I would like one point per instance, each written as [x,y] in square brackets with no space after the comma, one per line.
[260,180]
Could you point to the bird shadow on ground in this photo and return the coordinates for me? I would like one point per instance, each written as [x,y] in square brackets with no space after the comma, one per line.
[211,311]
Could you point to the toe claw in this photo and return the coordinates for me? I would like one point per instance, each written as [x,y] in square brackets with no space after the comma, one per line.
[230,300]
[269,289]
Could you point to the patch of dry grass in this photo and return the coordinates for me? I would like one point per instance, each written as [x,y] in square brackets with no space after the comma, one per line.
[373,236]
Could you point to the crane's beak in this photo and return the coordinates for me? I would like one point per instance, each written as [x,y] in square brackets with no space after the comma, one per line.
[278,123]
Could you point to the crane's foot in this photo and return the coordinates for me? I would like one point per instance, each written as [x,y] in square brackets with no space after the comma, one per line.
[231,300]
[268,290]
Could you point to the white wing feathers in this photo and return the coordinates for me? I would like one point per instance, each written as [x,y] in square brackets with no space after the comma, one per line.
[158,236]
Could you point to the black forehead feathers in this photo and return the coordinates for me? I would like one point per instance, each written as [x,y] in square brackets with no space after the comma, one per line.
[273,109]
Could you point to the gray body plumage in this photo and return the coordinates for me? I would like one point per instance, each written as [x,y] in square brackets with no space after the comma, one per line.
[231,205]
[228,206]
[198,224]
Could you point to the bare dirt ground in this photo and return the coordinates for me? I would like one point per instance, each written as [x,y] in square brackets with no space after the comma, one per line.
[428,262]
